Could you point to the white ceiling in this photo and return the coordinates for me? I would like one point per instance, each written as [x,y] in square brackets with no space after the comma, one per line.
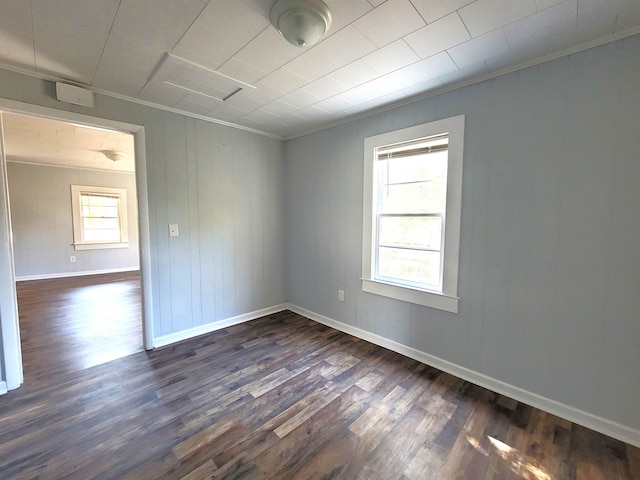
[50,142]
[376,53]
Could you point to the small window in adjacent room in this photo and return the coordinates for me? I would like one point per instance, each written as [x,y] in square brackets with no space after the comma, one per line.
[412,200]
[99,217]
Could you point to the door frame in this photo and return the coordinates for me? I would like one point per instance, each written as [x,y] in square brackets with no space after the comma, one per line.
[11,361]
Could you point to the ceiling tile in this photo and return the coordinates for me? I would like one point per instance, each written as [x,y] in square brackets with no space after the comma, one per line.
[16,34]
[390,21]
[161,28]
[384,85]
[130,84]
[336,51]
[423,87]
[262,116]
[486,46]
[543,4]
[221,30]
[438,36]
[69,39]
[278,108]
[354,74]
[473,70]
[596,19]
[312,113]
[246,102]
[268,51]
[299,99]
[509,59]
[375,103]
[241,70]
[160,94]
[202,103]
[628,15]
[324,87]
[345,12]
[431,67]
[483,16]
[265,93]
[544,32]
[432,10]
[284,80]
[334,104]
[392,57]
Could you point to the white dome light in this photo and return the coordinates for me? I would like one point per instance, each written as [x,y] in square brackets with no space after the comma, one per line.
[301,22]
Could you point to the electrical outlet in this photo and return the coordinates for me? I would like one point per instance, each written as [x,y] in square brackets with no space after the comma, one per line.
[173,230]
[341,295]
[72,259]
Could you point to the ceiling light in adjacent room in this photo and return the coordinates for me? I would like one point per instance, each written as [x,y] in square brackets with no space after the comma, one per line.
[114,155]
[301,22]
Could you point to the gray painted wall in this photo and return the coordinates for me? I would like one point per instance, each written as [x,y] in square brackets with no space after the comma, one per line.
[549,261]
[42,221]
[222,186]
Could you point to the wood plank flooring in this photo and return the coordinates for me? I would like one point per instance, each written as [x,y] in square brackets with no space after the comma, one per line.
[68,324]
[283,397]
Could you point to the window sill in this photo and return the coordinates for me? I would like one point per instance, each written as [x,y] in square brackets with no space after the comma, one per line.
[99,246]
[426,298]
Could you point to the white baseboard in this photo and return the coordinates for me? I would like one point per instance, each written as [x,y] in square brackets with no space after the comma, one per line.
[47,276]
[3,388]
[586,419]
[212,327]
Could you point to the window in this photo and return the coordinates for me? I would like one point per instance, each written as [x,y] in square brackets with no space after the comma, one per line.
[412,200]
[99,217]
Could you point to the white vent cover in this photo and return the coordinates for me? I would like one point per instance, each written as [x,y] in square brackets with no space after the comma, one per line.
[193,78]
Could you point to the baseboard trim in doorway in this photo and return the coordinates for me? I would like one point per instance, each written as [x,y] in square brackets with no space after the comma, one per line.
[213,326]
[46,276]
[568,412]
[3,388]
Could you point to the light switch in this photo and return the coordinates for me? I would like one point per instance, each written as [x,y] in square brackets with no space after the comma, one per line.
[173,230]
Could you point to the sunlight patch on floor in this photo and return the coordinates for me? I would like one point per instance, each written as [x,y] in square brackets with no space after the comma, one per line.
[521,465]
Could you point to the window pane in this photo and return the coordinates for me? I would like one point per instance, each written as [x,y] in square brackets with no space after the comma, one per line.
[99,211]
[427,197]
[101,223]
[416,232]
[89,199]
[418,167]
[409,265]
[416,184]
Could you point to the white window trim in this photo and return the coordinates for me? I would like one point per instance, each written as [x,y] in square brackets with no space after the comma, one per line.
[78,241]
[447,299]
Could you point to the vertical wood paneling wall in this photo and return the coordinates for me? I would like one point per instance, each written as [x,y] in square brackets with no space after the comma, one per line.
[549,262]
[222,186]
[43,226]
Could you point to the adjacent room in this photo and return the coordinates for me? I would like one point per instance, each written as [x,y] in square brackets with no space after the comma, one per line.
[75,243]
[320,239]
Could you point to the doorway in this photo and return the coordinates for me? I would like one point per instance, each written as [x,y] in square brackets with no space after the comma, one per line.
[12,366]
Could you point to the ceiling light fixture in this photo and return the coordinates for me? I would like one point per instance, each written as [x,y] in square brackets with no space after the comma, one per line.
[301,22]
[114,155]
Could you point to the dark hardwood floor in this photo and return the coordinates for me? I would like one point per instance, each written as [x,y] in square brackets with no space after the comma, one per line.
[283,397]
